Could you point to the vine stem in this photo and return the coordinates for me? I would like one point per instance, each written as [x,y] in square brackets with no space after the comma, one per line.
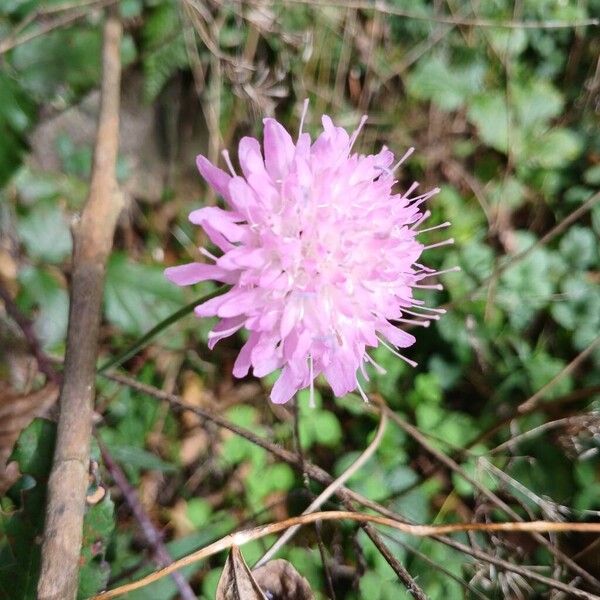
[93,236]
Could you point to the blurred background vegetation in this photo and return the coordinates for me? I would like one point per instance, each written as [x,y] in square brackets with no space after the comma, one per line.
[504,119]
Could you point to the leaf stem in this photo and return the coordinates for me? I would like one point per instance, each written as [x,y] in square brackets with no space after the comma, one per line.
[142,341]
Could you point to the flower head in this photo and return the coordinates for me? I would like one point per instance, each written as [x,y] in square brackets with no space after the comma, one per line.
[321,255]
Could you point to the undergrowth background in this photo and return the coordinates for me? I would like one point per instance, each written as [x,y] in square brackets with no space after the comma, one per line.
[504,119]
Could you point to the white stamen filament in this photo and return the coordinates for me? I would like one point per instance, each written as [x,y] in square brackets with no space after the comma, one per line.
[311,374]
[406,155]
[228,162]
[440,226]
[436,286]
[416,314]
[304,111]
[425,216]
[413,322]
[377,366]
[208,254]
[447,242]
[412,363]
[362,392]
[450,270]
[356,133]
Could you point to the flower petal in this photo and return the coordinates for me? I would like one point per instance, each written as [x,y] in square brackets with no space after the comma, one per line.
[195,272]
[279,149]
[285,387]
[215,177]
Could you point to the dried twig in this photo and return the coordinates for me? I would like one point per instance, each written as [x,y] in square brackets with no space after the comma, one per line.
[329,491]
[93,237]
[243,537]
[454,466]
[346,495]
[160,554]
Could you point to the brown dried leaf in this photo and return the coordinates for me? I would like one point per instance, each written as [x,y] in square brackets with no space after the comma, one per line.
[16,413]
[280,581]
[236,581]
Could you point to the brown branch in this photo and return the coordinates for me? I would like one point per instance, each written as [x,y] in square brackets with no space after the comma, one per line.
[346,495]
[160,554]
[243,537]
[93,237]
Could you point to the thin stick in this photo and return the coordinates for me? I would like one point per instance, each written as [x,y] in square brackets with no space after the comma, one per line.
[243,537]
[93,237]
[158,328]
[160,554]
[346,495]
[454,466]
[329,491]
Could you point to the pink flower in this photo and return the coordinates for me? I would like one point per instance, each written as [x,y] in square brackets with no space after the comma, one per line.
[321,255]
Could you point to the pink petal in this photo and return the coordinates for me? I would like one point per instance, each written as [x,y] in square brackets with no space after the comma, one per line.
[399,338]
[223,329]
[243,361]
[279,149]
[220,220]
[285,387]
[250,156]
[195,272]
[215,177]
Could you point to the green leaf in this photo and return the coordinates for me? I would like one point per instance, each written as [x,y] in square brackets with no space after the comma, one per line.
[137,296]
[554,149]
[45,232]
[488,112]
[446,85]
[98,526]
[20,555]
[40,289]
[135,457]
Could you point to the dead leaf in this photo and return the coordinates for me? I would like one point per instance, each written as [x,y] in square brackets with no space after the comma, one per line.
[279,580]
[16,413]
[236,581]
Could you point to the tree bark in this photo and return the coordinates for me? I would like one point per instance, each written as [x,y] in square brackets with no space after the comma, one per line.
[93,237]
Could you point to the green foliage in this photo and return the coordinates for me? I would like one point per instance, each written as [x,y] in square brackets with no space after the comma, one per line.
[504,121]
[138,296]
[22,518]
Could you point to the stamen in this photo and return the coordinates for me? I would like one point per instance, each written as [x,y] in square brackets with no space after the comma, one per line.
[437,286]
[377,366]
[410,190]
[440,226]
[451,270]
[362,392]
[425,216]
[356,133]
[412,363]
[228,162]
[416,314]
[447,242]
[304,111]
[413,322]
[208,254]
[311,396]
[441,311]
[406,155]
